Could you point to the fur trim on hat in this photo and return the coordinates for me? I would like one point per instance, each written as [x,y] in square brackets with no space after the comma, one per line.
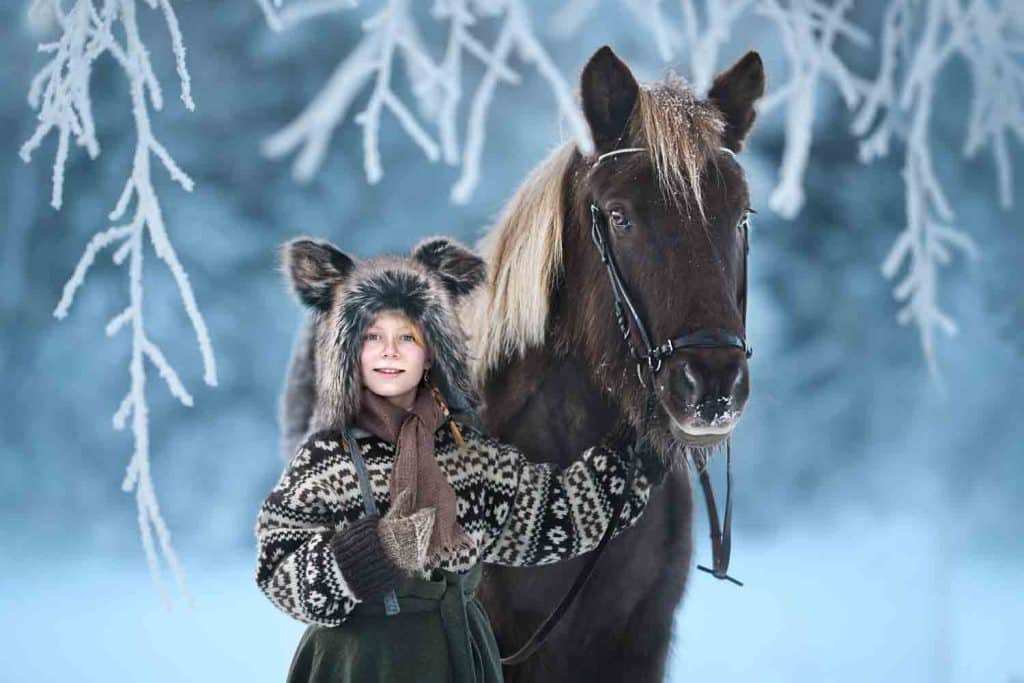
[345,295]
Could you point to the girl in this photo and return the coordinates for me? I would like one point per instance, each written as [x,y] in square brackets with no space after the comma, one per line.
[393,597]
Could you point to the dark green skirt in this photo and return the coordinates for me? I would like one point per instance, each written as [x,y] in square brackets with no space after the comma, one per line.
[441,635]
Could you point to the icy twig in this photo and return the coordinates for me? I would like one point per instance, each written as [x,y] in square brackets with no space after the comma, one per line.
[60,92]
[918,41]
[392,37]
[809,33]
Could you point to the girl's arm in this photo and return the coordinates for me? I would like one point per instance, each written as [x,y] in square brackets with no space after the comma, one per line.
[318,554]
[540,513]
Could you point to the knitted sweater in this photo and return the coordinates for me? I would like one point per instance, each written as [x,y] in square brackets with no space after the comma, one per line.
[518,512]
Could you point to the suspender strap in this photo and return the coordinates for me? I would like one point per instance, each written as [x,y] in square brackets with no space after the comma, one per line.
[390,600]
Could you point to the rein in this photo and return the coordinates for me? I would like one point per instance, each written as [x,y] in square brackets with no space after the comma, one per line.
[649,362]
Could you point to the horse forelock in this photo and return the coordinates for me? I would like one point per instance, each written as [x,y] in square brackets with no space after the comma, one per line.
[681,132]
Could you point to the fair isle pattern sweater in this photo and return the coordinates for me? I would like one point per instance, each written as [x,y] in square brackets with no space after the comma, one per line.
[517,512]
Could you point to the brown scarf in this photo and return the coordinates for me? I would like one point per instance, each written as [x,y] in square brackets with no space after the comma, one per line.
[415,467]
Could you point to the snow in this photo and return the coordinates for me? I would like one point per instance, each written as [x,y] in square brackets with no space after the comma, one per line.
[862,598]
[857,598]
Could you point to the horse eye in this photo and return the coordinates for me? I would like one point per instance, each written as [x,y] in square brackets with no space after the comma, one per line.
[619,218]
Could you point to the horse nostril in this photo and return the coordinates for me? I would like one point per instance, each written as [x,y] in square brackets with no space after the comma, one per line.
[688,384]
[735,387]
[709,386]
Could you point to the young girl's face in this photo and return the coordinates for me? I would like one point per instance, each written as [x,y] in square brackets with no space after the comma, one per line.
[391,361]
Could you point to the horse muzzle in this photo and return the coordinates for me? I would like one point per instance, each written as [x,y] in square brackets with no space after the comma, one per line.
[704,392]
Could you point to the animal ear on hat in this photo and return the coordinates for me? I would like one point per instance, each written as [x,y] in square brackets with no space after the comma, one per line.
[313,269]
[460,269]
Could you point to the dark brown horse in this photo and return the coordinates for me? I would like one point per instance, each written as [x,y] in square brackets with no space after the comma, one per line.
[554,369]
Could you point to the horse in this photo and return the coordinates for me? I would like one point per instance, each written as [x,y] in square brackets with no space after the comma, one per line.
[555,371]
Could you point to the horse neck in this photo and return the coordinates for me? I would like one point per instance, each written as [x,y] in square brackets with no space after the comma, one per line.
[547,406]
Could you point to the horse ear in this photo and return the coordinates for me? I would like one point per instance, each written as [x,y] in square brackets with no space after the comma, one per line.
[609,92]
[313,269]
[734,92]
[460,269]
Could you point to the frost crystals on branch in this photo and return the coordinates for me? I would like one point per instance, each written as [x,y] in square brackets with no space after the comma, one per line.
[809,32]
[392,35]
[60,91]
[918,41]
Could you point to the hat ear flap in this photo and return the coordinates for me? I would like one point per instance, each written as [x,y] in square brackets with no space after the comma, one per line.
[461,271]
[313,269]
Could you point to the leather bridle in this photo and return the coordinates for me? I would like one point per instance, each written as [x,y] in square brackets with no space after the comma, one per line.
[653,355]
[648,364]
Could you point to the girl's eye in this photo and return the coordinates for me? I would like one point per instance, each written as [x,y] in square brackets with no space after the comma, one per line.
[369,336]
[408,337]
[619,218]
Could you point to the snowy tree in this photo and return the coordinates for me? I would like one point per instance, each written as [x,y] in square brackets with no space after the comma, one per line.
[60,93]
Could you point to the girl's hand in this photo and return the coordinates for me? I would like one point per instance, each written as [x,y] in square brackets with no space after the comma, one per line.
[406,537]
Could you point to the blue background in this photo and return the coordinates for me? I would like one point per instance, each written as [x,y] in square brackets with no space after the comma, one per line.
[877,519]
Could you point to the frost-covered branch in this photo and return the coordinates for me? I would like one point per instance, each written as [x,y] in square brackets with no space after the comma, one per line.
[60,91]
[704,41]
[516,32]
[391,38]
[809,31]
[918,42]
[280,17]
[56,90]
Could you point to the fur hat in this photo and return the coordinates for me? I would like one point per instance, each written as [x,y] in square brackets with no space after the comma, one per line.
[345,295]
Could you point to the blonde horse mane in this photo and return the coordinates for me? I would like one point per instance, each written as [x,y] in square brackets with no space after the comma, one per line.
[524,256]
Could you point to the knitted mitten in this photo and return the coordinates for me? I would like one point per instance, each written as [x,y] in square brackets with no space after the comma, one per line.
[405,537]
[367,568]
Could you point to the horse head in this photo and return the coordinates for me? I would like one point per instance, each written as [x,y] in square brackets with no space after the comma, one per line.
[672,202]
